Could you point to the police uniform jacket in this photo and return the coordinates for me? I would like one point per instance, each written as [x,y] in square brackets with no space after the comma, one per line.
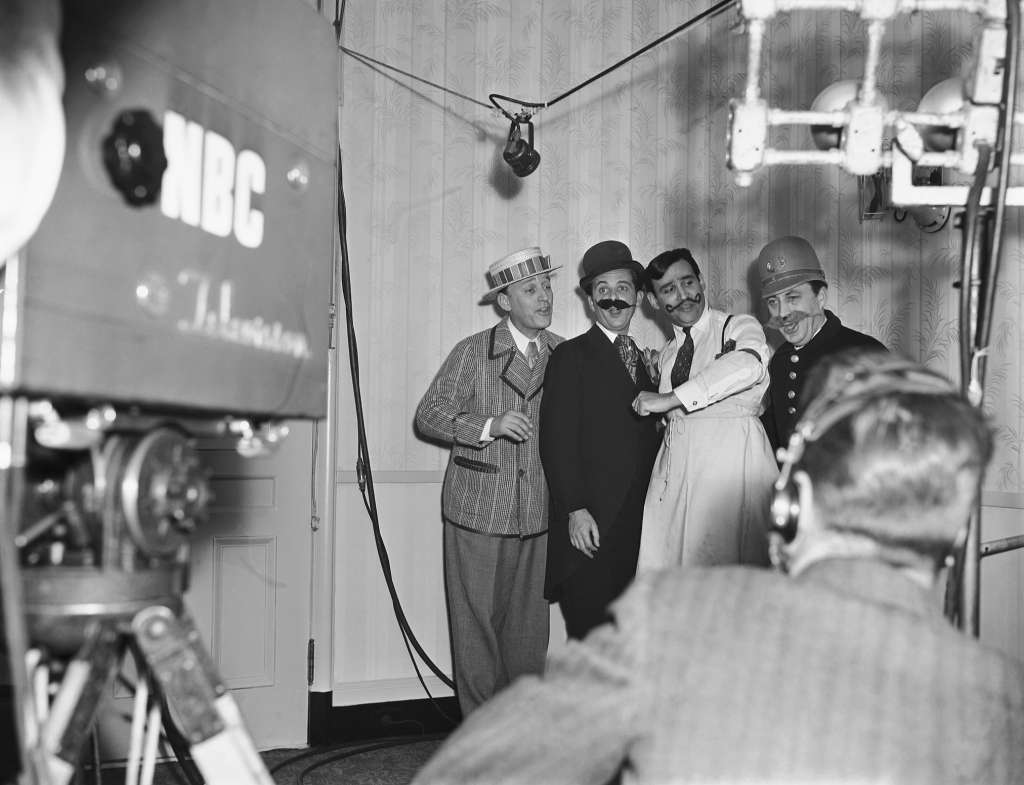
[492,487]
[788,370]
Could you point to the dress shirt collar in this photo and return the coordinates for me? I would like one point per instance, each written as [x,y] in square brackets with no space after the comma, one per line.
[700,326]
[521,340]
[611,336]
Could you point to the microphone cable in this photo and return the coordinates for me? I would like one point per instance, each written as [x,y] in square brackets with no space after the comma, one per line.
[364,472]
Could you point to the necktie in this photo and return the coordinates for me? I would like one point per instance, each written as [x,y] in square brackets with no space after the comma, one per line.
[532,354]
[628,352]
[684,357]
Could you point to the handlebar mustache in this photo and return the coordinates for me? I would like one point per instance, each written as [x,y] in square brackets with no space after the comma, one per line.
[697,299]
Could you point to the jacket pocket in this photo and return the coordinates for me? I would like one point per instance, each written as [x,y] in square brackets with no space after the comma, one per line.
[475,466]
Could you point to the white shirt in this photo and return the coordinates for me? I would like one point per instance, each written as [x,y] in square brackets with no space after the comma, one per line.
[712,379]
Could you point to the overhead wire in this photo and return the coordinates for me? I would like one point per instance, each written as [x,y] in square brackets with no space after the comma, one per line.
[714,10]
[493,98]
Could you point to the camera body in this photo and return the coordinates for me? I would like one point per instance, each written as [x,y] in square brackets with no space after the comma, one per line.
[179,288]
[185,261]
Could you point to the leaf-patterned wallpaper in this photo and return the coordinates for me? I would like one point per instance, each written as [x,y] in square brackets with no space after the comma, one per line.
[638,156]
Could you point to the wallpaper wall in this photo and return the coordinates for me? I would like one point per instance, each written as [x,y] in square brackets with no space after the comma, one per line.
[637,156]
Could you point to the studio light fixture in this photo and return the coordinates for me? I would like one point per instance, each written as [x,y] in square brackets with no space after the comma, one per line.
[520,153]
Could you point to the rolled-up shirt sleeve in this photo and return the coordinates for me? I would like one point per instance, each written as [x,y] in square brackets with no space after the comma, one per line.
[733,372]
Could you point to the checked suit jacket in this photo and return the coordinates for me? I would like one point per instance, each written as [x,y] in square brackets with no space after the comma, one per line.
[497,487]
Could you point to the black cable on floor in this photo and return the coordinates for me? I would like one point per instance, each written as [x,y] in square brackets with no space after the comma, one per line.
[317,751]
[352,753]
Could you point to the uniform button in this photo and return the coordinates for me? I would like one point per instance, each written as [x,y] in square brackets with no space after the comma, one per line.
[792,374]
[791,410]
[791,395]
[794,358]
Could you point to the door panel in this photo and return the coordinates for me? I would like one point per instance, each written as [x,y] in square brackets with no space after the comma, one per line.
[249,589]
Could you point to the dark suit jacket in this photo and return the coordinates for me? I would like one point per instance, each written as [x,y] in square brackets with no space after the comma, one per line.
[593,446]
[845,674]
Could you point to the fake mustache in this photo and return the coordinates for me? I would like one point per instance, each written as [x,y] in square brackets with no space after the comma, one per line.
[607,304]
[697,299]
[793,317]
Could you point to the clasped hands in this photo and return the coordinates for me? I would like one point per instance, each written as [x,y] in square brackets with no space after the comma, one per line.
[654,403]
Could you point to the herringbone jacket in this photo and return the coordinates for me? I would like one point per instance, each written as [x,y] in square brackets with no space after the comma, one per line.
[845,675]
[496,487]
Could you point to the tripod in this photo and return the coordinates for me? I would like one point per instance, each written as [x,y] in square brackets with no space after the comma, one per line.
[176,683]
[96,511]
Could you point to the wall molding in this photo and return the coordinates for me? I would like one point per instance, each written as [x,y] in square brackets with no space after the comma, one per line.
[1012,501]
[431,477]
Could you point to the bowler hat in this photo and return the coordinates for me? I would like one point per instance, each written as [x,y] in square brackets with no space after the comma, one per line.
[786,262]
[606,256]
[517,266]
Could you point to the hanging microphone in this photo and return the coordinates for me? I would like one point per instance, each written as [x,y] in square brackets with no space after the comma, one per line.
[519,153]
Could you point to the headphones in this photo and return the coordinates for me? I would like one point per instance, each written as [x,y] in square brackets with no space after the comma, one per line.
[859,386]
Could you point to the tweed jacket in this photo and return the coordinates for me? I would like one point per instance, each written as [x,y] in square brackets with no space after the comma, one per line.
[788,370]
[488,483]
[846,674]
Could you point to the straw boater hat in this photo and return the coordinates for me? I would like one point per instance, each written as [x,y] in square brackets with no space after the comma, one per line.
[786,262]
[518,266]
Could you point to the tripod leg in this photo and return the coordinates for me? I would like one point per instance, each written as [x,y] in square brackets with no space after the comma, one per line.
[202,708]
[67,723]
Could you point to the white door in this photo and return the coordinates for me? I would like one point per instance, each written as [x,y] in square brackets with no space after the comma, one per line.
[250,589]
[250,582]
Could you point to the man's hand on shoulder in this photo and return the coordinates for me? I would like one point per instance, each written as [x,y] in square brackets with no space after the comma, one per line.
[513,425]
[583,532]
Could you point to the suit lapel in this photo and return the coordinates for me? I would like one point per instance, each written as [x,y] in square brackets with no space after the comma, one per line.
[515,372]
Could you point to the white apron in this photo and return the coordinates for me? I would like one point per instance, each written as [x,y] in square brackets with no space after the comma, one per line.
[710,492]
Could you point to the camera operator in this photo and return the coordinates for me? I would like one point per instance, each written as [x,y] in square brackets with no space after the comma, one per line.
[843,669]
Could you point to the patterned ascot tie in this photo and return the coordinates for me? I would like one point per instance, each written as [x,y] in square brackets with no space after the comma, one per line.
[532,354]
[681,367]
[628,353]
